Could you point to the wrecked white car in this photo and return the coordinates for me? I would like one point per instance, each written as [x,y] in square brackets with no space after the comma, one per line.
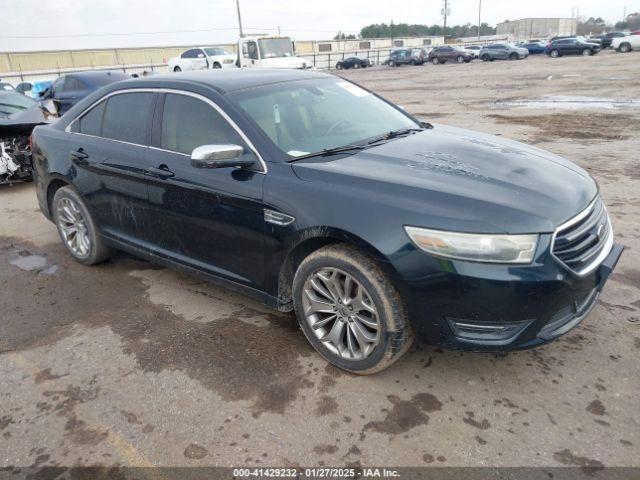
[19,115]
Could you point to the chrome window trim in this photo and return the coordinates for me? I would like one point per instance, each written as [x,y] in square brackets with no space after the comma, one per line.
[606,249]
[210,102]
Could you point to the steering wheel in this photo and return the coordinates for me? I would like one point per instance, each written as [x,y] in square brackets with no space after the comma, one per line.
[336,125]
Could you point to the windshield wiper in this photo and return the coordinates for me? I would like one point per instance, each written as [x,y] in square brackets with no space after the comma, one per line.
[330,151]
[395,134]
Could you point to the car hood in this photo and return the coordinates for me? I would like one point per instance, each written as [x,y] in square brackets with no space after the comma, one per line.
[455,179]
[222,58]
[285,62]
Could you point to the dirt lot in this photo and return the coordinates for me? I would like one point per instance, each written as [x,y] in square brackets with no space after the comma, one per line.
[130,364]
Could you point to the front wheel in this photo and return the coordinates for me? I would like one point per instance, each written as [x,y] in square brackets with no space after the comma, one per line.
[392,63]
[587,52]
[339,66]
[349,310]
[77,228]
[217,65]
[177,69]
[460,59]
[435,60]
[513,56]
[356,65]
[554,53]
[486,57]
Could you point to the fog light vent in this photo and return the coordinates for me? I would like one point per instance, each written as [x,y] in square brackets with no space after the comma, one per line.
[472,331]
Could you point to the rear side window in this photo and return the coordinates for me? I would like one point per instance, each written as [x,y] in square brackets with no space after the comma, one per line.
[127,117]
[91,122]
[188,123]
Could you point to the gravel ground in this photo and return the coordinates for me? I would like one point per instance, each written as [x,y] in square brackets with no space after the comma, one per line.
[130,364]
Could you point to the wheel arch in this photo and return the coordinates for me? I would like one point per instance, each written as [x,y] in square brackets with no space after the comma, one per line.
[57,181]
[312,239]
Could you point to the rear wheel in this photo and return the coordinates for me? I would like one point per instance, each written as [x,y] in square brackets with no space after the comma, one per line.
[625,47]
[177,69]
[356,65]
[587,52]
[513,56]
[554,53]
[435,60]
[460,59]
[77,228]
[349,310]
[339,66]
[217,65]
[486,57]
[392,63]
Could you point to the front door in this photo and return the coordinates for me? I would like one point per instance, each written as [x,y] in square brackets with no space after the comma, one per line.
[209,219]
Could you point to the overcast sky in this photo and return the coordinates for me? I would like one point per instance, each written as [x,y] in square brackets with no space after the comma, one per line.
[77,24]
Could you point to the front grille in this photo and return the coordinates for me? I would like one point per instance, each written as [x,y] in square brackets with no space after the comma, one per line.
[582,243]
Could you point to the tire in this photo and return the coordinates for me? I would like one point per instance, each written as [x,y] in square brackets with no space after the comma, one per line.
[177,69]
[66,206]
[435,60]
[412,62]
[394,332]
[624,47]
[460,59]
[356,65]
[339,66]
[513,56]
[587,52]
[392,63]
[486,57]
[554,53]
[217,65]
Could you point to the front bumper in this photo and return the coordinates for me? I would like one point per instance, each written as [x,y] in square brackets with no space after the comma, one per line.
[474,306]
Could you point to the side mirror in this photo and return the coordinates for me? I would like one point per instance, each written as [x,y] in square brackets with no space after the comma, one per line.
[50,107]
[219,156]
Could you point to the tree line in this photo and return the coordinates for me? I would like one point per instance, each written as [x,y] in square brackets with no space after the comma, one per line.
[392,30]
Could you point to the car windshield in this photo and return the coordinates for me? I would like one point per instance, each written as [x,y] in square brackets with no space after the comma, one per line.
[275,47]
[212,51]
[309,116]
[13,102]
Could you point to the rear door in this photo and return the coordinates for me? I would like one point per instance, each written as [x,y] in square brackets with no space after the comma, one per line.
[110,150]
[209,219]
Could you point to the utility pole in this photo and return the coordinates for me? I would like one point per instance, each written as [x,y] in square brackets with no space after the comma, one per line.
[445,12]
[391,33]
[239,17]
[479,15]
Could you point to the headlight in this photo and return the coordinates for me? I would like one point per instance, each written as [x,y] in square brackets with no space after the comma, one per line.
[475,247]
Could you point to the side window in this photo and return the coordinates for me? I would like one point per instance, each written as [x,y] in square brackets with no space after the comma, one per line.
[91,122]
[200,53]
[252,50]
[127,117]
[72,83]
[188,123]
[189,54]
[58,85]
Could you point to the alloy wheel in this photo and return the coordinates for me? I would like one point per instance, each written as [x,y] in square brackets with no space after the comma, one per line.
[341,313]
[73,227]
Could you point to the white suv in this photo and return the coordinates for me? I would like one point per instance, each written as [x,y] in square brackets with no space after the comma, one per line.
[626,43]
[202,58]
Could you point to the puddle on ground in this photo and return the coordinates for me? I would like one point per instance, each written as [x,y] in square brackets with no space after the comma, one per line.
[569,102]
[30,262]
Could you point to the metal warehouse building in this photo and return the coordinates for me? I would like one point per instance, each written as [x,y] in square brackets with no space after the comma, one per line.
[527,28]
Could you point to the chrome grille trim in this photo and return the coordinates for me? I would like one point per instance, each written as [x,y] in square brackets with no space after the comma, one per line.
[576,246]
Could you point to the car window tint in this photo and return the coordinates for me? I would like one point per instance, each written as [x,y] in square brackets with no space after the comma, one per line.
[126,117]
[188,123]
[91,122]
[72,83]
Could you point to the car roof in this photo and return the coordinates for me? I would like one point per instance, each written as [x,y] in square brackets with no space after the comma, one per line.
[225,81]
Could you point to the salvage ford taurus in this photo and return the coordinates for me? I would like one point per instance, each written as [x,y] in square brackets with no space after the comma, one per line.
[312,193]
